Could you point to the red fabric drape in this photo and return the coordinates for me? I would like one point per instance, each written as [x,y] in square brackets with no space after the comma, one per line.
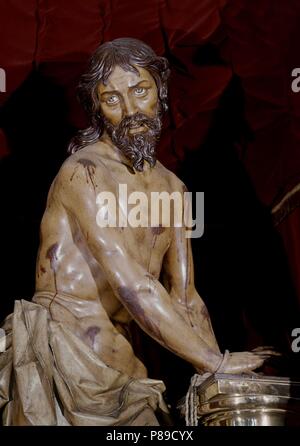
[18,33]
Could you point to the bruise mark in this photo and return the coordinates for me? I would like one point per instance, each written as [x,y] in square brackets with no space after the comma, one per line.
[52,256]
[157,230]
[42,269]
[90,168]
[92,332]
[130,299]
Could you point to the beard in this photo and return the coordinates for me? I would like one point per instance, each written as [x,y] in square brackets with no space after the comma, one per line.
[137,147]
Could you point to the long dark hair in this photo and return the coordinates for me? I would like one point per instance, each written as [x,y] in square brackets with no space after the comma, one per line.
[126,53]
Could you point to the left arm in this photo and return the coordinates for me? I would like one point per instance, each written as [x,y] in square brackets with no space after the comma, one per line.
[178,279]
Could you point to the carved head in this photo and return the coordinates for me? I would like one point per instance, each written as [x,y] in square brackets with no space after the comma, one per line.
[124,92]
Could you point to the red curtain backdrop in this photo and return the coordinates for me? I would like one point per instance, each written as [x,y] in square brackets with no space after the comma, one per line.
[256,41]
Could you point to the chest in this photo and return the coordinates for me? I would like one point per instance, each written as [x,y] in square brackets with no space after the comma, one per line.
[148,246]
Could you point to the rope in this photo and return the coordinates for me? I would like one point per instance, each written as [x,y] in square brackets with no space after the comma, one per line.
[192,399]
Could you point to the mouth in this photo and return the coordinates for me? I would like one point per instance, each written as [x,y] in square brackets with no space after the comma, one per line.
[136,129]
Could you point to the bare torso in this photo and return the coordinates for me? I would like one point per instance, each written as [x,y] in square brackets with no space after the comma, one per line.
[95,279]
[67,267]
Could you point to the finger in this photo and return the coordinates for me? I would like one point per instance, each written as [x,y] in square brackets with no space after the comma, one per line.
[262,355]
[263,347]
[261,360]
[267,352]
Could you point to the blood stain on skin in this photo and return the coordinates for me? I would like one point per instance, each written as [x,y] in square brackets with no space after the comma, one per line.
[42,269]
[72,176]
[157,230]
[86,163]
[130,298]
[90,168]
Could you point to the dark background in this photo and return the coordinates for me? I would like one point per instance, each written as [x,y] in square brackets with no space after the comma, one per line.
[232,131]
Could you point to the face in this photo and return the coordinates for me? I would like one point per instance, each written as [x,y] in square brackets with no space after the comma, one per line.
[126,94]
[131,113]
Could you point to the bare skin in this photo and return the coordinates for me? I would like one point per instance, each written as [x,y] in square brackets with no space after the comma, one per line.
[112,275]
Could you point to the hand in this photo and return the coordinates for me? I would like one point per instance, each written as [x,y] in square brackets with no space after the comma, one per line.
[245,362]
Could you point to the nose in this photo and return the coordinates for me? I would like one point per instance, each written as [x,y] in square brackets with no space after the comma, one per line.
[129,106]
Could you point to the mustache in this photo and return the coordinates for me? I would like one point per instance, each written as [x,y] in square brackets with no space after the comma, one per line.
[136,120]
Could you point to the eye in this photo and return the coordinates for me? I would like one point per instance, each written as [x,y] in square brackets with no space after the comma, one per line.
[112,100]
[140,91]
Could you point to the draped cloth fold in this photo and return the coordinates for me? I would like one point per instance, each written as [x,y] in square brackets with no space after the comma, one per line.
[48,376]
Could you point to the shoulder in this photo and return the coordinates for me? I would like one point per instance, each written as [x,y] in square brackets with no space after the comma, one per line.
[83,165]
[82,174]
[174,182]
[88,158]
